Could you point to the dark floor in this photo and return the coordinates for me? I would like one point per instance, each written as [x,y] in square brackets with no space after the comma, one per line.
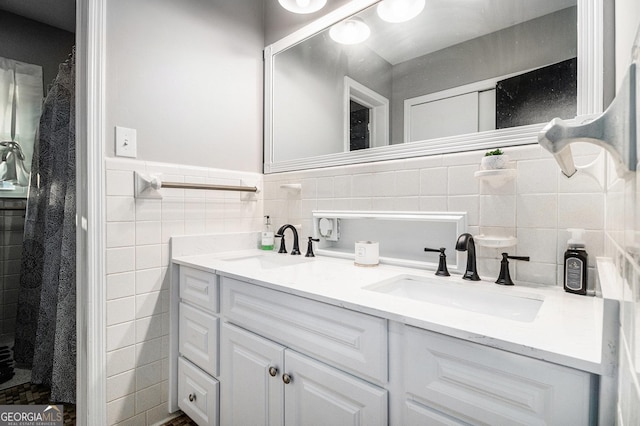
[182,420]
[28,394]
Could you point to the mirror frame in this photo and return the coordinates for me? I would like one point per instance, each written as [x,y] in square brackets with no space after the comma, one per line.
[590,47]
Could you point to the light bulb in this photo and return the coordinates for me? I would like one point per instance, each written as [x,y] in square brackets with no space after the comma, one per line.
[351,31]
[302,6]
[395,11]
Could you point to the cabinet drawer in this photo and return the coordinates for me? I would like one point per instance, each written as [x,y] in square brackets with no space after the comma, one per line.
[453,378]
[349,340]
[198,394]
[199,288]
[198,338]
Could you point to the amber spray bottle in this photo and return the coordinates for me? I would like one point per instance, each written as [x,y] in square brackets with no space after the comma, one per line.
[576,263]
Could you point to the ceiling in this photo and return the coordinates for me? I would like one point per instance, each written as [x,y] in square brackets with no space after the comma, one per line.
[444,23]
[57,13]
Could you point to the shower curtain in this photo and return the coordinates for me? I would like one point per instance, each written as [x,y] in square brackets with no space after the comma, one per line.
[45,336]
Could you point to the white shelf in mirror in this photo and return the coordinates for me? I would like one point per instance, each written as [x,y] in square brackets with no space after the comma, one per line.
[496,177]
[491,241]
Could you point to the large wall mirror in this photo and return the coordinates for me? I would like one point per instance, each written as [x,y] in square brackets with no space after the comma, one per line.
[358,86]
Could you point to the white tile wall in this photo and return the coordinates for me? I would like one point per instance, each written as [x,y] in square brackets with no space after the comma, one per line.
[621,243]
[536,206]
[137,259]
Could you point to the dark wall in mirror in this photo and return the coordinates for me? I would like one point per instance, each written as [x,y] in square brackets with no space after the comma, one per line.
[30,41]
[538,96]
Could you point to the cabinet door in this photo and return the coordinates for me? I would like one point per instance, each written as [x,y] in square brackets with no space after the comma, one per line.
[251,391]
[321,395]
[454,380]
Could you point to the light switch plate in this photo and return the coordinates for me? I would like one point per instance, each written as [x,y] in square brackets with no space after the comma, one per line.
[126,143]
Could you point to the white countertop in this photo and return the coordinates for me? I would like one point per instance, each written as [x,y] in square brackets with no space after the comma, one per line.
[567,330]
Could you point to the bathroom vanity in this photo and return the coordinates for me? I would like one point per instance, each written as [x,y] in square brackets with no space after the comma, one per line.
[268,338]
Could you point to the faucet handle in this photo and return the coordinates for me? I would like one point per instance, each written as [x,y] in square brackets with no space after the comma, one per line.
[310,247]
[442,262]
[505,278]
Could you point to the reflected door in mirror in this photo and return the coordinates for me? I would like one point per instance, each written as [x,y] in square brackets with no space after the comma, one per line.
[359,127]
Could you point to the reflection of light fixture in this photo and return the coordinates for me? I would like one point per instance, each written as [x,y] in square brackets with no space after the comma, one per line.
[302,6]
[399,10]
[351,31]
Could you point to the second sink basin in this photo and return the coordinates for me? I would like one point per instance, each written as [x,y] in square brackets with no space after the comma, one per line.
[520,307]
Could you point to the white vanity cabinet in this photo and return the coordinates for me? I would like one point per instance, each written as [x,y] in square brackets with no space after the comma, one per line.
[450,381]
[264,383]
[299,362]
[350,341]
[198,389]
[254,355]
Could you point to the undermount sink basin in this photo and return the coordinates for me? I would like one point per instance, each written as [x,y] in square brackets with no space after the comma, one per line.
[268,261]
[518,307]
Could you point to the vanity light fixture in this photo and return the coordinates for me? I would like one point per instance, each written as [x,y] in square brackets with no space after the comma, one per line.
[302,6]
[395,11]
[350,31]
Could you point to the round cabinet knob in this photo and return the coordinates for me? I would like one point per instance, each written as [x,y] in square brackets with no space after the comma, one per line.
[273,371]
[192,397]
[286,379]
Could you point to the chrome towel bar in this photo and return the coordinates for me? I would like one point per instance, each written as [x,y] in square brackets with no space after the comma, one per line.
[147,186]
[180,185]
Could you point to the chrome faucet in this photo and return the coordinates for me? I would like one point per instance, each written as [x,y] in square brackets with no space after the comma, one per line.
[280,234]
[14,168]
[466,243]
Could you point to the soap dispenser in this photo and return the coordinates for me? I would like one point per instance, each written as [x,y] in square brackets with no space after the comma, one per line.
[575,263]
[267,242]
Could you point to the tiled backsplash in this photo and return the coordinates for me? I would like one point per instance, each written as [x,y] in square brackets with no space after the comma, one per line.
[536,207]
[137,259]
